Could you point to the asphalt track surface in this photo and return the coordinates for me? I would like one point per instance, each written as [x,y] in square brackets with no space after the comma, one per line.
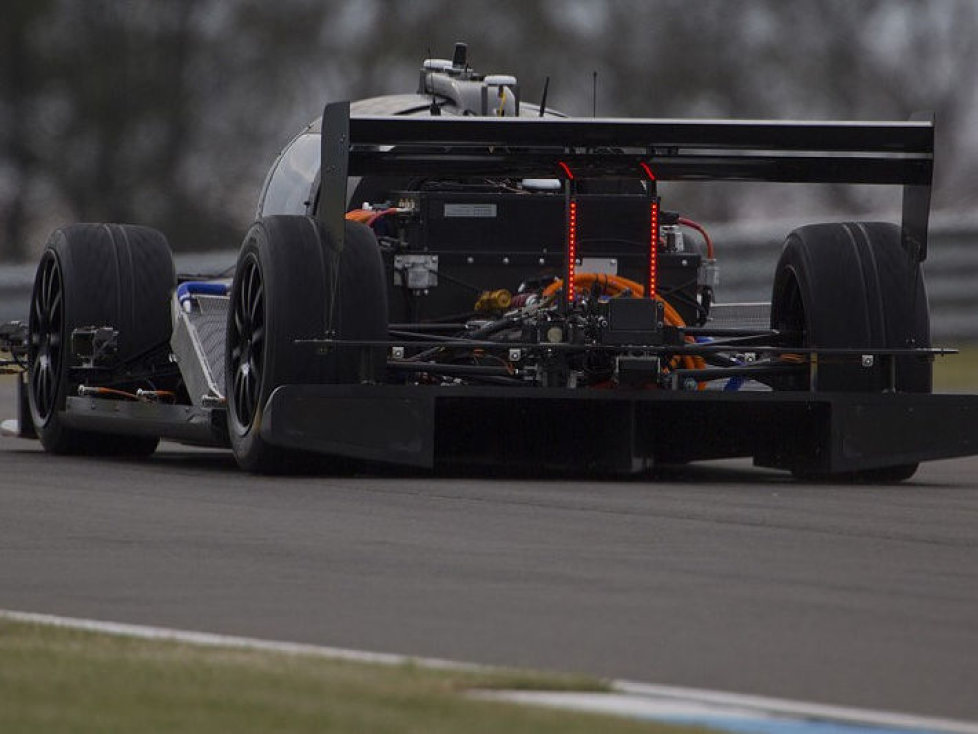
[718,576]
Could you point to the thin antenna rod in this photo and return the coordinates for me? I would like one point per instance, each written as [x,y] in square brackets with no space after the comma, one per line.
[434,110]
[543,99]
[594,94]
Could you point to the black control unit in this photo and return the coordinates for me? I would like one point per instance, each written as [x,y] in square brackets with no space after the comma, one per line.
[480,239]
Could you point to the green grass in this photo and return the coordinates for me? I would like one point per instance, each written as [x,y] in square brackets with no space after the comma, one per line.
[957,372]
[61,680]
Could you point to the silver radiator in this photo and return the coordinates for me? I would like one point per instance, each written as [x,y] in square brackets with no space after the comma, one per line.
[198,345]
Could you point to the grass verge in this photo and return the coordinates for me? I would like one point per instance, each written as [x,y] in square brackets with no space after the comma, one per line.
[957,372]
[63,680]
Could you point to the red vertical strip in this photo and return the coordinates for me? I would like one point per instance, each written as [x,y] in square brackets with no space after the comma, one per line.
[569,286]
[653,248]
[651,286]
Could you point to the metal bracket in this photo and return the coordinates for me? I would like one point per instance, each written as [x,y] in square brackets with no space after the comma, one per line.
[95,346]
[416,272]
[13,341]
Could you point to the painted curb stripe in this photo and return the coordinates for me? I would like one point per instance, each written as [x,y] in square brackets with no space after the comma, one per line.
[732,712]
[801,709]
[736,719]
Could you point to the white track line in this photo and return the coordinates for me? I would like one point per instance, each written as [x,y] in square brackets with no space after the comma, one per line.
[208,639]
[629,698]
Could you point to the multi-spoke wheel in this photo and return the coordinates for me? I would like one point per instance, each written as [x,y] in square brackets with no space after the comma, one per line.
[246,342]
[46,328]
[290,283]
[94,275]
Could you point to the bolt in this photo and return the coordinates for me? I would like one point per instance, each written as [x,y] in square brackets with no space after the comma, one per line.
[397,352]
[515,355]
[868,360]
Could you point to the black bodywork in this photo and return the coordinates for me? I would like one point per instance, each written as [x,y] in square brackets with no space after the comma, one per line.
[621,430]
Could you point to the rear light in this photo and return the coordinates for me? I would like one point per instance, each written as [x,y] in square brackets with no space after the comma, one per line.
[651,286]
[571,250]
[571,254]
[653,274]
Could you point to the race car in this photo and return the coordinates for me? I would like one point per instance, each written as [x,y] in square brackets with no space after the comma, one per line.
[457,275]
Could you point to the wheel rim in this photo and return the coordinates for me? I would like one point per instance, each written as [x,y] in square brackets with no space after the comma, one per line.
[788,310]
[247,343]
[792,313]
[46,329]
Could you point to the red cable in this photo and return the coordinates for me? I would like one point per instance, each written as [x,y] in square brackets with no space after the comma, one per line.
[378,215]
[699,228]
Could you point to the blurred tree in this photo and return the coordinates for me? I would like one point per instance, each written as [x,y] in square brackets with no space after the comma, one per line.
[19,75]
[169,113]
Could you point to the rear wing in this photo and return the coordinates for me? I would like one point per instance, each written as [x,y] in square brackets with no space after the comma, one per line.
[892,153]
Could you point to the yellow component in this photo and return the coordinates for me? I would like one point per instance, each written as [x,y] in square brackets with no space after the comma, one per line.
[498,300]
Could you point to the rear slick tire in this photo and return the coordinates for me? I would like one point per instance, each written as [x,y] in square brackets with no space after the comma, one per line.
[853,285]
[290,283]
[114,275]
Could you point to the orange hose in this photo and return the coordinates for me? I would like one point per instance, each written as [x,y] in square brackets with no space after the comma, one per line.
[360,215]
[368,216]
[116,393]
[620,285]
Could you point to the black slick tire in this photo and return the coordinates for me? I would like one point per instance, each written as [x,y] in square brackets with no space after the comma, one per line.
[853,285]
[94,275]
[291,283]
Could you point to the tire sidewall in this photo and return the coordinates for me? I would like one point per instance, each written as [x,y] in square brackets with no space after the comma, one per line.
[111,275]
[859,289]
[310,290]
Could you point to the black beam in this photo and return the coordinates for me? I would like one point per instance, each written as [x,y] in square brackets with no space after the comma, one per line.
[908,137]
[334,154]
[692,167]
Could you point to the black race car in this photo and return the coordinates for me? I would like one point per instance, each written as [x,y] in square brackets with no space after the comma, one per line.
[457,275]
